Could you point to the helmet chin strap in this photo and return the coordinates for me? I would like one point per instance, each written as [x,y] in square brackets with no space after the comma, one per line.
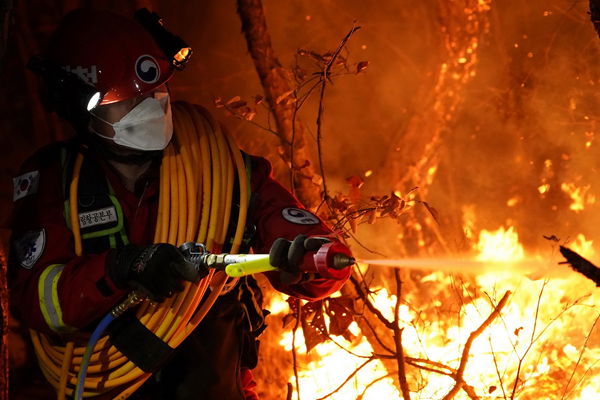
[99,146]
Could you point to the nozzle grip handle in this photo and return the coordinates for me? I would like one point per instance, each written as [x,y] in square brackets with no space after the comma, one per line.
[250,267]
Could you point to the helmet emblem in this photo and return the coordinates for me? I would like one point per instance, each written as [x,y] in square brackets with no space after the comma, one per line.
[147,69]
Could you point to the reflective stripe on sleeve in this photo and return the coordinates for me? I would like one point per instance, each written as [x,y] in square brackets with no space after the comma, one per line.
[49,302]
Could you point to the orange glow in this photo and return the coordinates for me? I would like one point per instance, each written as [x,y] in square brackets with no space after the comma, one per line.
[583,247]
[433,332]
[514,200]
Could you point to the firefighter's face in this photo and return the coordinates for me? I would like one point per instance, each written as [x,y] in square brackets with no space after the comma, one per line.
[114,112]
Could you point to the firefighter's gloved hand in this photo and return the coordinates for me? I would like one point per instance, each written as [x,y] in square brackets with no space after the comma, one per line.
[157,270]
[287,256]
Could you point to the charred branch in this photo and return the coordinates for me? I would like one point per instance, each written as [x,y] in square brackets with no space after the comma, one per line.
[294,351]
[398,339]
[595,14]
[460,383]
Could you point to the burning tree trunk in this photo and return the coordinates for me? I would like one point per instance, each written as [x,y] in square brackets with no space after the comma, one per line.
[276,84]
[414,159]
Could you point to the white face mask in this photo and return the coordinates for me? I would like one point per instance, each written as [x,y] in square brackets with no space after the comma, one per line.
[148,126]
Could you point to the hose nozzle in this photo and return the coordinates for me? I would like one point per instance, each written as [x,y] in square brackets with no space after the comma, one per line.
[342,261]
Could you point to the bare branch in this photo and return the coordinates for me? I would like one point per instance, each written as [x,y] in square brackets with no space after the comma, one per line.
[398,339]
[347,379]
[365,298]
[580,356]
[465,353]
[373,383]
[324,80]
[294,353]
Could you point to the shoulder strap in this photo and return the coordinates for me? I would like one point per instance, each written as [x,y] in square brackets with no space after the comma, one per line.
[93,188]
[250,229]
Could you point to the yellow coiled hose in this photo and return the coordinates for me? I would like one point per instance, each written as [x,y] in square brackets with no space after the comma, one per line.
[196,186]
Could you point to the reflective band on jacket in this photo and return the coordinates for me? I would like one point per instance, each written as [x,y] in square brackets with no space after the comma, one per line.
[49,302]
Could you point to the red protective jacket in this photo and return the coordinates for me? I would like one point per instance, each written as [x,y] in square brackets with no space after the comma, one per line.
[54,290]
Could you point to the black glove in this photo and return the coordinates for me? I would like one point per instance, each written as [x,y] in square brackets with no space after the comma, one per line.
[287,256]
[157,270]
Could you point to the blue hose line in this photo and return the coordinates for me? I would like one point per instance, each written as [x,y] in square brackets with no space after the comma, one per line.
[87,354]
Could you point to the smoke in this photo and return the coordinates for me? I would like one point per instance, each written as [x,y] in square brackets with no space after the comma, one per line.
[523,121]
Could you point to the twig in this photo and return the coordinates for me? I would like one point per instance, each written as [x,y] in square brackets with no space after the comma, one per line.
[398,339]
[360,397]
[465,353]
[497,370]
[236,114]
[297,107]
[347,379]
[470,391]
[294,355]
[586,371]
[417,362]
[580,356]
[324,79]
[377,337]
[362,245]
[369,304]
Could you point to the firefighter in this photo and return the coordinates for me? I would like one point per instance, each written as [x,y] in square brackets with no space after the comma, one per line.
[56,292]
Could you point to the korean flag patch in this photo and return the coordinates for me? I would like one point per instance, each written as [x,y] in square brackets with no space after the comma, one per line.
[25,185]
[30,247]
[299,217]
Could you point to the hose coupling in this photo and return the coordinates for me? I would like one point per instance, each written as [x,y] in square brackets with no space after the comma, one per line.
[132,299]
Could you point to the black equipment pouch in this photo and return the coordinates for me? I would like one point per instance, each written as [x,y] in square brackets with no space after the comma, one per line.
[138,344]
[208,363]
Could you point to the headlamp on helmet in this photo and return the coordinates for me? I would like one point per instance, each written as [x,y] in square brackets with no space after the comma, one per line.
[63,86]
[173,46]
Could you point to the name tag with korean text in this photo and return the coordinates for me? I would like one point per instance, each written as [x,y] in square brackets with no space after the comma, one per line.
[97,217]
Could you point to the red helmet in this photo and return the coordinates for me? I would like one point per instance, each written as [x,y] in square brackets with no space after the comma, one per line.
[113,53]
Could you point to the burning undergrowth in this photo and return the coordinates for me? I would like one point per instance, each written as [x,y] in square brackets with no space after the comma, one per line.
[499,334]
[500,140]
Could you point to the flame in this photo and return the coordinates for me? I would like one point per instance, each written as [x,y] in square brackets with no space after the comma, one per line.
[579,196]
[502,245]
[541,335]
[583,247]
[331,366]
